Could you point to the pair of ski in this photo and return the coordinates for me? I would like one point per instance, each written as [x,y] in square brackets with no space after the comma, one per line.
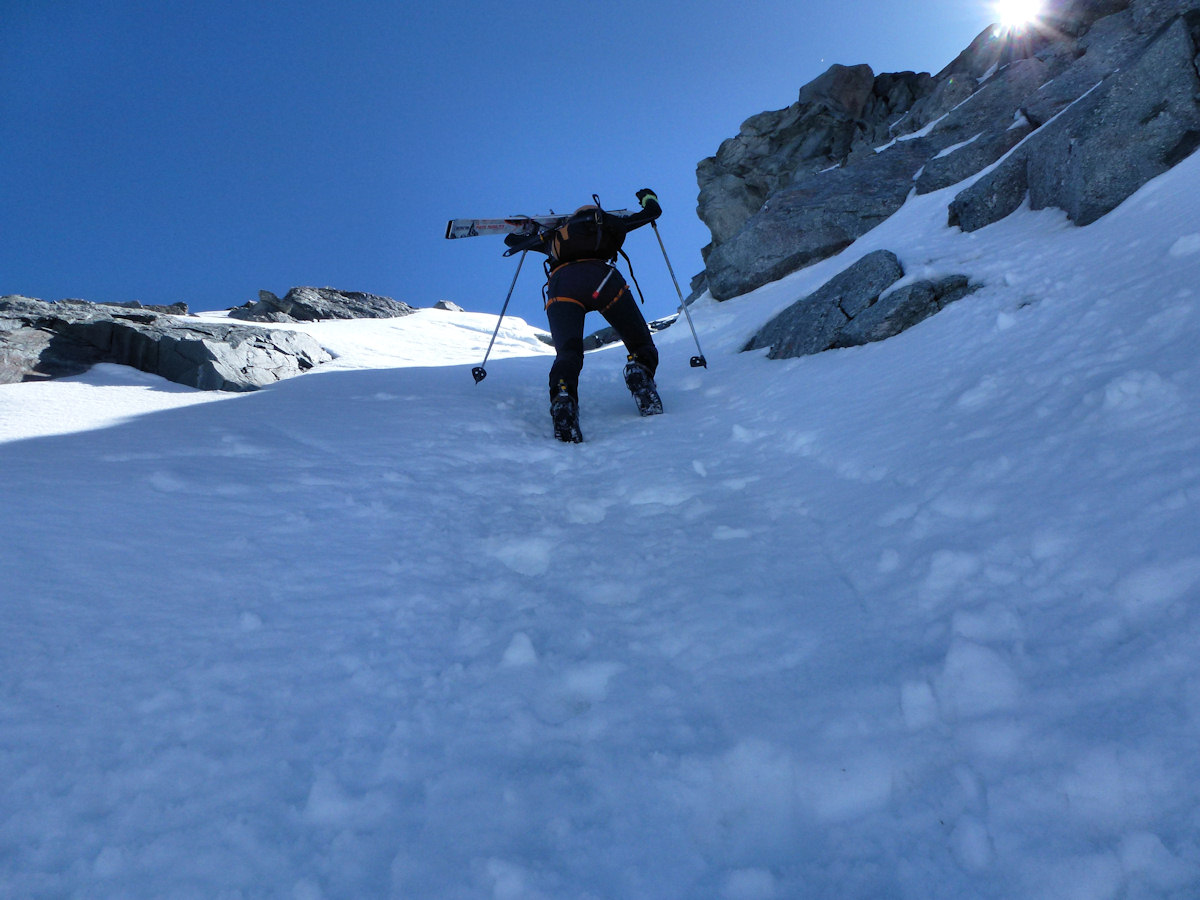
[463,228]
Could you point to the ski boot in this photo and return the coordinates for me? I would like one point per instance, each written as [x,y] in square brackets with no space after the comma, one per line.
[641,385]
[564,410]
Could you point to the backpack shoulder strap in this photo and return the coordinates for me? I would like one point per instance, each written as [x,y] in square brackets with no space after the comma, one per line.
[633,277]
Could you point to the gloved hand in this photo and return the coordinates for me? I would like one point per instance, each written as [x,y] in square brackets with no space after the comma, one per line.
[520,242]
[645,195]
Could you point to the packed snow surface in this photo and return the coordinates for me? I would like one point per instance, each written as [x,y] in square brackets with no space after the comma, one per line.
[919,619]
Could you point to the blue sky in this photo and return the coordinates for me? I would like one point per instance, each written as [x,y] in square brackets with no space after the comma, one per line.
[201,151]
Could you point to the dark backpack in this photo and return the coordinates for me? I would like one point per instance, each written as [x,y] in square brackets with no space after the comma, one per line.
[590,233]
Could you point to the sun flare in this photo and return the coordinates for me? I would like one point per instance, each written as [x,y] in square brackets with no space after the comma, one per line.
[1017,13]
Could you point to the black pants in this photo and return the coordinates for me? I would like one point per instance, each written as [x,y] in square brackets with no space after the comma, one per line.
[570,298]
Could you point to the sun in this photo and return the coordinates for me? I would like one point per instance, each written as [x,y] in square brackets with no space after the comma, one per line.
[1015,14]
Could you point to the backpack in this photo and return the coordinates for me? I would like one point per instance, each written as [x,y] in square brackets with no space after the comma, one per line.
[590,233]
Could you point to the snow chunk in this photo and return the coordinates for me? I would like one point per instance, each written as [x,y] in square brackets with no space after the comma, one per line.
[520,652]
[971,844]
[918,705]
[976,681]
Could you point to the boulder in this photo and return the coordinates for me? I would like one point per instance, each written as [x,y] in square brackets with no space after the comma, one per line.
[898,310]
[812,323]
[855,307]
[310,304]
[40,340]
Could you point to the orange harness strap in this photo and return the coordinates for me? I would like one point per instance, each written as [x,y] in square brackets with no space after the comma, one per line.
[624,290]
[562,300]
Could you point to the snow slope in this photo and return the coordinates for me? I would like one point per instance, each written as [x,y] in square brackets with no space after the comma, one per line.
[918,619]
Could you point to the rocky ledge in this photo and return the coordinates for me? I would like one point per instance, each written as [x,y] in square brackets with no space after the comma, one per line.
[41,340]
[310,304]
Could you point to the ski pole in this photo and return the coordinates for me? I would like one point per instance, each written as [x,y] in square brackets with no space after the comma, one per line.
[479,372]
[699,360]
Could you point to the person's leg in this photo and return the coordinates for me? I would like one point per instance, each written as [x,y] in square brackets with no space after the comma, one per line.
[624,316]
[566,330]
[565,318]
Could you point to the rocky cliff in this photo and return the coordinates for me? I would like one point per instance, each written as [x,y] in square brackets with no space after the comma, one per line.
[1076,113]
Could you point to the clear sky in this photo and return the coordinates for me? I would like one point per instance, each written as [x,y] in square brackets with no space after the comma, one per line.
[200,151]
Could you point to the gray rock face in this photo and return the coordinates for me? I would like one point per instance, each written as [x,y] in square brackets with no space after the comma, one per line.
[814,219]
[1078,115]
[41,340]
[837,111]
[982,128]
[1137,124]
[852,308]
[310,304]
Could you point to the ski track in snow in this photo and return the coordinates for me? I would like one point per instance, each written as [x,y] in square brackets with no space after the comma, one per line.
[916,619]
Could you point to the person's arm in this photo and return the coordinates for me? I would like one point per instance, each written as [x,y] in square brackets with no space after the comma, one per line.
[650,211]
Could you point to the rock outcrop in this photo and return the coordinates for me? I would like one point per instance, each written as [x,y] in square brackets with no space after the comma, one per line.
[1076,114]
[855,307]
[40,340]
[310,304]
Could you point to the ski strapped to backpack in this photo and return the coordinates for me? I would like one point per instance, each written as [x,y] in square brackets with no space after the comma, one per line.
[463,228]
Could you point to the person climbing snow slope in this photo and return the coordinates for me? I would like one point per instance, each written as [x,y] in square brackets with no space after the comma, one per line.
[582,278]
